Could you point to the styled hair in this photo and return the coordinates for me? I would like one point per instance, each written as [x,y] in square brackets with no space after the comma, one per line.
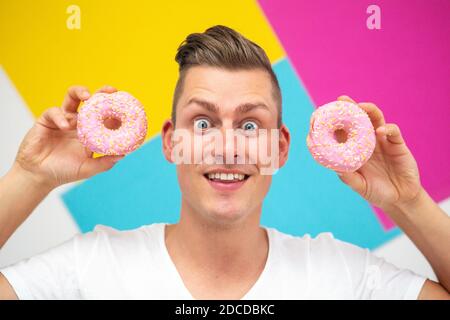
[222,47]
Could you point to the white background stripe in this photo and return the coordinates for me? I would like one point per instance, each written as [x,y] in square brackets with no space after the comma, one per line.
[50,224]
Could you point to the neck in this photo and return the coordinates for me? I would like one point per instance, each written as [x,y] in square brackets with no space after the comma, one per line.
[217,247]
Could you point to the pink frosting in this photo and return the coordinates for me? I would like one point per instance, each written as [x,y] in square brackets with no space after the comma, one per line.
[345,156]
[119,105]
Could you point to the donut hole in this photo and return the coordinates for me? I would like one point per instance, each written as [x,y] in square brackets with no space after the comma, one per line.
[340,135]
[112,123]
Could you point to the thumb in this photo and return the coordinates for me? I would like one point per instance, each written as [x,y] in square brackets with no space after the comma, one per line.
[354,180]
[93,166]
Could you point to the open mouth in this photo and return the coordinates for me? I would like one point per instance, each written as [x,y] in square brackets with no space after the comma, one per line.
[226,181]
[226,177]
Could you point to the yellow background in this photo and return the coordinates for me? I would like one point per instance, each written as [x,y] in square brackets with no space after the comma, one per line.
[127,44]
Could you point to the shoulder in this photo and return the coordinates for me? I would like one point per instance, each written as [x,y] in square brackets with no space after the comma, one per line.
[317,264]
[322,241]
[107,233]
[107,241]
[322,252]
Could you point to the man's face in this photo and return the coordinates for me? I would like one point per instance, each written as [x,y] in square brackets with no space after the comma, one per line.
[215,101]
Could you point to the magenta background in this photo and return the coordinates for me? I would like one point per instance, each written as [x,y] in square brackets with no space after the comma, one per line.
[403,68]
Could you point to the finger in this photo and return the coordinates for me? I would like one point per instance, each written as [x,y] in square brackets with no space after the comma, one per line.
[88,152]
[74,96]
[354,180]
[346,98]
[374,113]
[92,166]
[107,89]
[72,119]
[53,118]
[392,133]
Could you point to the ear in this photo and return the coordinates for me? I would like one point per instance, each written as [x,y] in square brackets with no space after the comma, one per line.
[167,142]
[284,143]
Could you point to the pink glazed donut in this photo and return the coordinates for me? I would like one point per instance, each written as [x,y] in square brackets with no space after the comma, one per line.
[125,110]
[341,136]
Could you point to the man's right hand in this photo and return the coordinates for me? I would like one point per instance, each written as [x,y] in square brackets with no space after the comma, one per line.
[51,153]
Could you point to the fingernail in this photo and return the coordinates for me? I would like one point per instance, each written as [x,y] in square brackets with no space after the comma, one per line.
[85,95]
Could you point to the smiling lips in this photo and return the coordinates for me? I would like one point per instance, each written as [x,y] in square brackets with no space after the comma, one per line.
[226,181]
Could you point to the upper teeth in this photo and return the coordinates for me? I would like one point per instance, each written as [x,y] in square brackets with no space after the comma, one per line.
[226,176]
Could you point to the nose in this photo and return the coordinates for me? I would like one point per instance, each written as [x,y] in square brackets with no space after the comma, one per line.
[228,153]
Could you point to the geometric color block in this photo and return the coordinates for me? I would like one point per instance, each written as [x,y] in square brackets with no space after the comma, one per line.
[404,67]
[304,198]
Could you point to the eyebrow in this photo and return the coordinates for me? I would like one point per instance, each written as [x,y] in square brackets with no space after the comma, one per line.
[242,108]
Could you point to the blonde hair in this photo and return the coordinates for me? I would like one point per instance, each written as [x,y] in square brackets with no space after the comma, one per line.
[222,47]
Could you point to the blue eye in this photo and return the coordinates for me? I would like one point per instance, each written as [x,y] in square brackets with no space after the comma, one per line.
[249,126]
[201,124]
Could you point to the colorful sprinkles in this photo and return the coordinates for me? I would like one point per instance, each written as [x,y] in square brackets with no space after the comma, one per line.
[118,105]
[355,151]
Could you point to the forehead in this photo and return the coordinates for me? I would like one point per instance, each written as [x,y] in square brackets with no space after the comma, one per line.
[227,87]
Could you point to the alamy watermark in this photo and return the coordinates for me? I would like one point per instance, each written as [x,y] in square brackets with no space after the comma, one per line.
[234,146]
[373,21]
[73,21]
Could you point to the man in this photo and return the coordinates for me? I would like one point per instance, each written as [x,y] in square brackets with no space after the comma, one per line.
[218,250]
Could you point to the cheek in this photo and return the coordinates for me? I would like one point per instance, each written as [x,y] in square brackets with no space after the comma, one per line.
[197,148]
[186,177]
[260,185]
[264,152]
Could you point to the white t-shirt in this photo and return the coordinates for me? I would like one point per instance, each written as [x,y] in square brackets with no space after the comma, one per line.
[111,264]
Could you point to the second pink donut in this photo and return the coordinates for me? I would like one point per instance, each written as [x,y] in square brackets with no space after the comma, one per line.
[341,136]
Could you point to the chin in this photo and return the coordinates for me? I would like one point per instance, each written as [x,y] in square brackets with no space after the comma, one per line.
[226,214]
